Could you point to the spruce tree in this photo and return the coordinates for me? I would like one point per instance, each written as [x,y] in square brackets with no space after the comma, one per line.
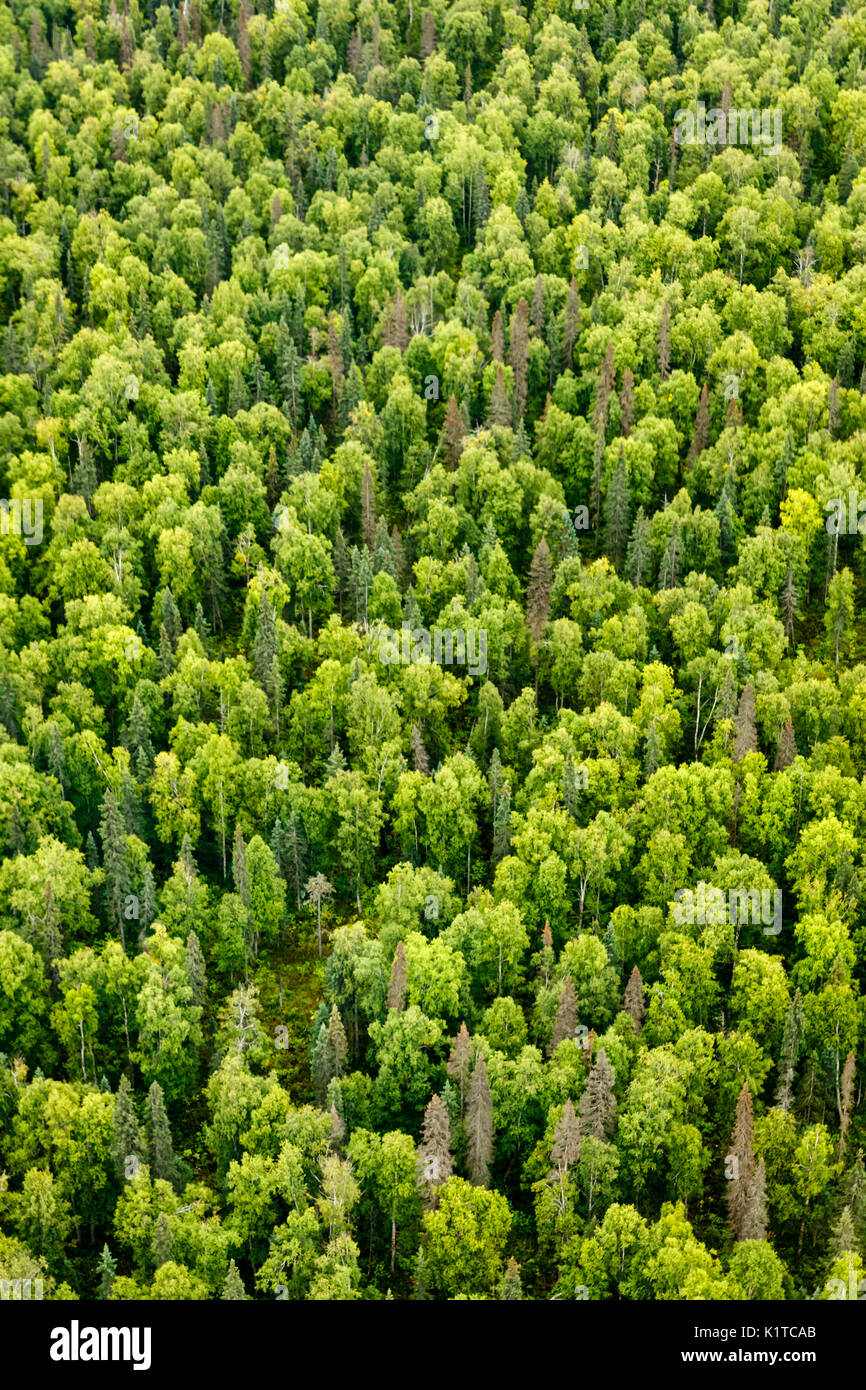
[669,570]
[240,874]
[435,1164]
[567,1140]
[565,1022]
[497,340]
[233,1288]
[107,1268]
[397,982]
[616,511]
[740,1171]
[338,1127]
[115,860]
[339,1048]
[626,403]
[745,726]
[834,417]
[419,752]
[502,824]
[598,1102]
[786,749]
[518,355]
[368,508]
[639,558]
[479,1125]
[457,1066]
[126,1132]
[195,969]
[511,1288]
[455,428]
[536,308]
[538,590]
[160,1148]
[265,643]
[790,604]
[546,956]
[571,323]
[634,1002]
[844,1235]
[161,1241]
[701,433]
[499,412]
[844,1101]
[664,342]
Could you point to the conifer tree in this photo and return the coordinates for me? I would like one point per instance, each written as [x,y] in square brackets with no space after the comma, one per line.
[455,428]
[755,1223]
[243,44]
[511,1288]
[844,1101]
[567,1137]
[428,35]
[160,1148]
[669,570]
[233,1288]
[479,1125]
[330,1053]
[126,1131]
[745,726]
[792,1041]
[786,749]
[435,1163]
[518,355]
[339,1048]
[115,859]
[546,955]
[338,1127]
[565,1022]
[664,342]
[265,643]
[538,590]
[845,1234]
[790,602]
[602,392]
[536,308]
[107,1268]
[617,509]
[457,1066]
[701,432]
[162,1240]
[399,332]
[397,982]
[335,360]
[833,411]
[634,1002]
[743,1199]
[626,403]
[195,968]
[419,752]
[571,323]
[481,209]
[499,412]
[638,559]
[497,340]
[368,508]
[502,824]
[240,873]
[598,1102]
[317,889]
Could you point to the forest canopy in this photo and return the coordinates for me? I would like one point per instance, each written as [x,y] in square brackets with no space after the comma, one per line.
[432,659]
